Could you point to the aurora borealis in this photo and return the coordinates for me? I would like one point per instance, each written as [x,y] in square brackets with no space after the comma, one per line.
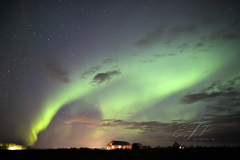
[83,73]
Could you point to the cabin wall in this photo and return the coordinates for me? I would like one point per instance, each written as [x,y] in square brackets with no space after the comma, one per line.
[111,147]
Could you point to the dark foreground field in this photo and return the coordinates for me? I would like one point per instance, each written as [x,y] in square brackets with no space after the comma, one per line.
[188,154]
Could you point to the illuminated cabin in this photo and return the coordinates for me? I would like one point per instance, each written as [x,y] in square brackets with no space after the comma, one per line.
[118,145]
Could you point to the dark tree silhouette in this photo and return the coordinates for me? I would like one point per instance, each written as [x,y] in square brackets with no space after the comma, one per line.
[176,145]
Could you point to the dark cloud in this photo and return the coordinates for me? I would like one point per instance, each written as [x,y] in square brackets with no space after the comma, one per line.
[200,44]
[150,126]
[150,38]
[223,34]
[233,81]
[227,100]
[218,34]
[145,61]
[218,91]
[153,37]
[164,55]
[103,77]
[184,45]
[65,79]
[143,43]
[221,125]
[156,35]
[193,98]
[226,127]
[225,119]
[224,113]
[180,30]
[56,71]
[90,71]
[230,37]
[159,55]
[171,54]
[82,119]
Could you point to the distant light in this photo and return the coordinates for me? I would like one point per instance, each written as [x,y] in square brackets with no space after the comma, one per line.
[15,147]
[119,146]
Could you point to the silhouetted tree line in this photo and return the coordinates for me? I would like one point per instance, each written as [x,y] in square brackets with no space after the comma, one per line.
[174,146]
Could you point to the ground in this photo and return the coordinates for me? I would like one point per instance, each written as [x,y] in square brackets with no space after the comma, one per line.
[188,154]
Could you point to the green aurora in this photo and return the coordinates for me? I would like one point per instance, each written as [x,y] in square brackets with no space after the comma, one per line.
[169,75]
[83,73]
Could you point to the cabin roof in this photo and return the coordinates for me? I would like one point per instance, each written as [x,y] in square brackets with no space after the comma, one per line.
[118,143]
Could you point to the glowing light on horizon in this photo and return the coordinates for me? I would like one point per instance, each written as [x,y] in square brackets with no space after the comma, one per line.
[12,146]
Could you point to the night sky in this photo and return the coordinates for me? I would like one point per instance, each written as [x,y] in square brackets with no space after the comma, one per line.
[83,73]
